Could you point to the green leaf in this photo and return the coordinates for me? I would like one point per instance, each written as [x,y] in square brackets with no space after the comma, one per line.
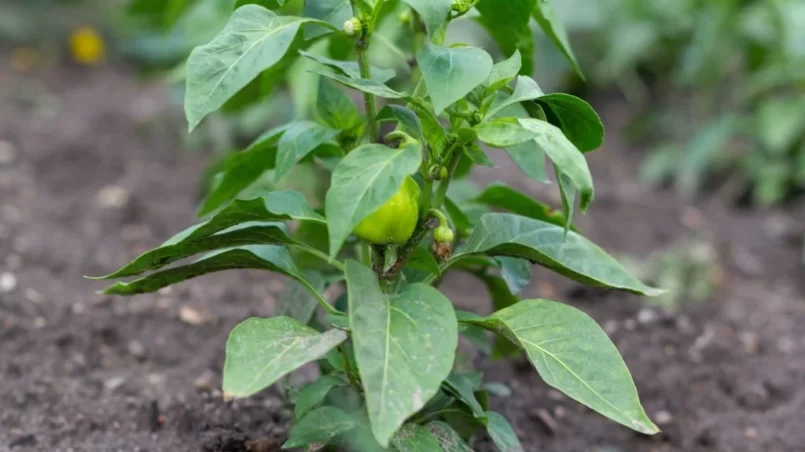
[502,298]
[335,108]
[507,22]
[516,273]
[254,40]
[333,12]
[504,72]
[259,257]
[526,89]
[415,438]
[500,196]
[451,73]
[457,217]
[568,193]
[299,140]
[362,182]
[503,133]
[564,155]
[351,68]
[422,259]
[502,433]
[404,116]
[573,355]
[405,346]
[320,426]
[434,15]
[363,85]
[314,394]
[261,351]
[448,438]
[553,27]
[241,169]
[477,155]
[296,301]
[254,215]
[577,119]
[530,159]
[462,387]
[544,243]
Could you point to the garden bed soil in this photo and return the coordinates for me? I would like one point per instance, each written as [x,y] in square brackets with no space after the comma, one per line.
[83,190]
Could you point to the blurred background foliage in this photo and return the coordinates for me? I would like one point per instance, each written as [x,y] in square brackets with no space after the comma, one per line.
[716,87]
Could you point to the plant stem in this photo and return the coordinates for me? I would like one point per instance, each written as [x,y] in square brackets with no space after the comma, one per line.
[425,225]
[362,47]
[378,259]
[424,202]
[445,184]
[319,297]
[349,370]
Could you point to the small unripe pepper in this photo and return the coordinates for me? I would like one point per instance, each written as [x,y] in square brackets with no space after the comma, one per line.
[394,222]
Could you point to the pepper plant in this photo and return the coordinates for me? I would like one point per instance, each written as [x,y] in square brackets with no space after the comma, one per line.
[392,227]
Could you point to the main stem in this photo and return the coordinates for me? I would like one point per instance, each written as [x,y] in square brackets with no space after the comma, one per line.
[362,47]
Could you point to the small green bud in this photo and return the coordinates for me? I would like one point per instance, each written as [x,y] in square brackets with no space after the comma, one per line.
[444,234]
[353,27]
[461,6]
[437,172]
[405,17]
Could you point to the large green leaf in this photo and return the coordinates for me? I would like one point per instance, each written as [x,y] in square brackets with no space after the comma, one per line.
[320,427]
[362,182]
[260,351]
[259,257]
[314,393]
[370,86]
[507,22]
[405,346]
[448,438]
[525,89]
[415,438]
[566,158]
[553,27]
[500,196]
[572,354]
[502,433]
[241,169]
[577,119]
[243,222]
[335,108]
[503,133]
[434,15]
[299,140]
[351,68]
[530,159]
[404,116]
[546,244]
[504,72]
[253,41]
[452,72]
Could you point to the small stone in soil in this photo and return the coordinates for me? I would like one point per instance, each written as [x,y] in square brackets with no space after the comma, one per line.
[647,315]
[112,197]
[191,316]
[544,417]
[136,349]
[663,417]
[8,282]
[26,440]
[205,381]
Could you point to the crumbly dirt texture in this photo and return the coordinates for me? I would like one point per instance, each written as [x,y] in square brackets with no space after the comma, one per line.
[88,181]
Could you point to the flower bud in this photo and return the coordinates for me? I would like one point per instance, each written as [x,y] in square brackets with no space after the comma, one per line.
[353,27]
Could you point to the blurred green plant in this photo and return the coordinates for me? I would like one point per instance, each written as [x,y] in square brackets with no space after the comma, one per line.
[730,77]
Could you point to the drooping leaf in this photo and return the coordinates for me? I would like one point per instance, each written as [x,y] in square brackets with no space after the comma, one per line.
[255,217]
[525,89]
[253,41]
[503,133]
[363,85]
[565,156]
[530,159]
[452,72]
[241,169]
[405,346]
[577,119]
[553,27]
[500,196]
[415,438]
[573,355]
[504,72]
[296,301]
[260,351]
[320,426]
[568,193]
[404,116]
[335,108]
[351,68]
[448,438]
[434,15]
[502,433]
[299,140]
[259,257]
[507,22]
[365,179]
[544,243]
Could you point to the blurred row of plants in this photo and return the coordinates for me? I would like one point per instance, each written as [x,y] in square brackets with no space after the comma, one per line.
[720,85]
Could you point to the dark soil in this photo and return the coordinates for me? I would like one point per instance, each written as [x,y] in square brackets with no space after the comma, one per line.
[83,190]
